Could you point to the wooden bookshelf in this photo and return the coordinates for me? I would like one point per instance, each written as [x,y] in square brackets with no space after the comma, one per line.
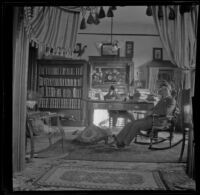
[63,86]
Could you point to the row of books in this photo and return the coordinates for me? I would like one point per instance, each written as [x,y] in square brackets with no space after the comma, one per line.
[60,81]
[60,71]
[60,103]
[60,92]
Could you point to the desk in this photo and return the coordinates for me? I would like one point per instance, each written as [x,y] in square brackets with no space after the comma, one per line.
[115,105]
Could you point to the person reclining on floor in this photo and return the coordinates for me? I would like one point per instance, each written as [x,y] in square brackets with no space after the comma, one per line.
[164,107]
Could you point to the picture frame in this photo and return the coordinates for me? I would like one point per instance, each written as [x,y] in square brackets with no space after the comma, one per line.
[77,48]
[157,54]
[107,50]
[129,49]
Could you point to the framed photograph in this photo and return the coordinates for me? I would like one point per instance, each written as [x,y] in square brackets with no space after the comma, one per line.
[129,50]
[109,50]
[77,48]
[157,54]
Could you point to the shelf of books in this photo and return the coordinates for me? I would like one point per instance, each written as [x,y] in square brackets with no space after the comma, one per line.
[63,86]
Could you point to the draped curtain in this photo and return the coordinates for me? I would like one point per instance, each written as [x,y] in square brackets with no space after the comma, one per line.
[54,28]
[20,68]
[32,68]
[153,77]
[179,38]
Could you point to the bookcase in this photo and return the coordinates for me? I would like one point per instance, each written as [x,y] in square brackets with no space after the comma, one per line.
[63,87]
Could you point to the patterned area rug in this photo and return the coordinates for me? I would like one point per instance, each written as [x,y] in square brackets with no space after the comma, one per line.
[102,152]
[101,178]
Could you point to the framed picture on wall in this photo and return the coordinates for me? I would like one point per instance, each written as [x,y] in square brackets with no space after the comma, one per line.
[107,49]
[157,54]
[129,50]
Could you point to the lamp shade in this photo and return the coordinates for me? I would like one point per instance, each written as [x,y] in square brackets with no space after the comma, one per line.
[102,13]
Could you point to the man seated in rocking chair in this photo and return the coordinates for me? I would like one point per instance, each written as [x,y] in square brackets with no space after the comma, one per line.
[164,107]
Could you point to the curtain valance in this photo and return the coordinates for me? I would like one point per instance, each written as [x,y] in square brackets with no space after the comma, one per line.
[53,28]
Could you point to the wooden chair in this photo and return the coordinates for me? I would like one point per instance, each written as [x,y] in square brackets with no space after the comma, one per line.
[160,124]
[31,131]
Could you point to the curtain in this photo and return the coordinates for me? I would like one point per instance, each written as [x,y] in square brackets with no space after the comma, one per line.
[32,68]
[179,38]
[53,28]
[153,77]
[20,68]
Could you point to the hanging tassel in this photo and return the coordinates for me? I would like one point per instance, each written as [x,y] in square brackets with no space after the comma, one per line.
[172,14]
[149,11]
[160,12]
[113,7]
[83,24]
[110,13]
[96,21]
[185,8]
[102,13]
[90,19]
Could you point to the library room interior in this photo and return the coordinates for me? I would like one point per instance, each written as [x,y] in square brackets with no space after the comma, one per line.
[103,97]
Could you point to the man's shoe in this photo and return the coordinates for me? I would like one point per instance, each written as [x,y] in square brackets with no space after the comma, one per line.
[119,145]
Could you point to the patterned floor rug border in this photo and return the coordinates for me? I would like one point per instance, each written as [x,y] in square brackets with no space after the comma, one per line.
[100,178]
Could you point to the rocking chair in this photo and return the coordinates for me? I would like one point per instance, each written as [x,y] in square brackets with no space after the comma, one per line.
[160,124]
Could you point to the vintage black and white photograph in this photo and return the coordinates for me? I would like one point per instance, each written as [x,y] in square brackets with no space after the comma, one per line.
[114,117]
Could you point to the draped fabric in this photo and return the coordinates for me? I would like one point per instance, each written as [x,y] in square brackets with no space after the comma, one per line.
[32,68]
[179,38]
[153,77]
[20,68]
[54,28]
